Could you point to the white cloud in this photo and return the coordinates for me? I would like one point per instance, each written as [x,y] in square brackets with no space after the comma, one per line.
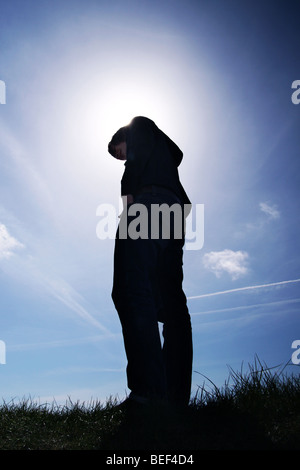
[7,243]
[232,262]
[270,211]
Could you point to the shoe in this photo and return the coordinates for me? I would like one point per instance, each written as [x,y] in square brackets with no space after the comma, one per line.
[132,403]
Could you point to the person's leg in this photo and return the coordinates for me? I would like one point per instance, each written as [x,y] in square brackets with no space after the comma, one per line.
[134,270]
[177,331]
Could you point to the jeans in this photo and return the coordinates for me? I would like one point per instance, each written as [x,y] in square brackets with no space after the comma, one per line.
[147,289]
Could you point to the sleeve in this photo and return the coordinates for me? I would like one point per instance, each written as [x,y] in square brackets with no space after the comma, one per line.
[141,138]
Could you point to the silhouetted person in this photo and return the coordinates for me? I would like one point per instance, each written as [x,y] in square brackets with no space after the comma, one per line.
[147,285]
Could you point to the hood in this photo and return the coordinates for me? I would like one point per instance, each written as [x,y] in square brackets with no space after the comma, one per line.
[145,122]
[175,151]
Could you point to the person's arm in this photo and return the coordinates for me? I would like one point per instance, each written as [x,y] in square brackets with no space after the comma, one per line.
[127,199]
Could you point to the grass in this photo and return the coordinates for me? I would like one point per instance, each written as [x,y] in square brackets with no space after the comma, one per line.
[257,409]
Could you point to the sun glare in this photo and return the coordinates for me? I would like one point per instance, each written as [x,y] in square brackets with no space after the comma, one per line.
[94,109]
[119,106]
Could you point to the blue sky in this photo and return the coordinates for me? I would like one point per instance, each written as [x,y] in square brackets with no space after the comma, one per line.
[216,76]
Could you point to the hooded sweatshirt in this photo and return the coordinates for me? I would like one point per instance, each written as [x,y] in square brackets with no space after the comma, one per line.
[152,159]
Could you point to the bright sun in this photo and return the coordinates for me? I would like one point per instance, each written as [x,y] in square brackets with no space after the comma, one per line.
[94,112]
[120,106]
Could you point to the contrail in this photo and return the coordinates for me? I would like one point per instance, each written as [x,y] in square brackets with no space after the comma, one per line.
[247,307]
[68,296]
[239,289]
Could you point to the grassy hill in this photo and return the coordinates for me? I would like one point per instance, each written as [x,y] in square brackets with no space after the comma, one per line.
[259,409]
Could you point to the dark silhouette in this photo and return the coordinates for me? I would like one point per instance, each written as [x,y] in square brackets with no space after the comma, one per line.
[148,275]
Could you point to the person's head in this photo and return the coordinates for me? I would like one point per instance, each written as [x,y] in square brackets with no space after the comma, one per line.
[117,147]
